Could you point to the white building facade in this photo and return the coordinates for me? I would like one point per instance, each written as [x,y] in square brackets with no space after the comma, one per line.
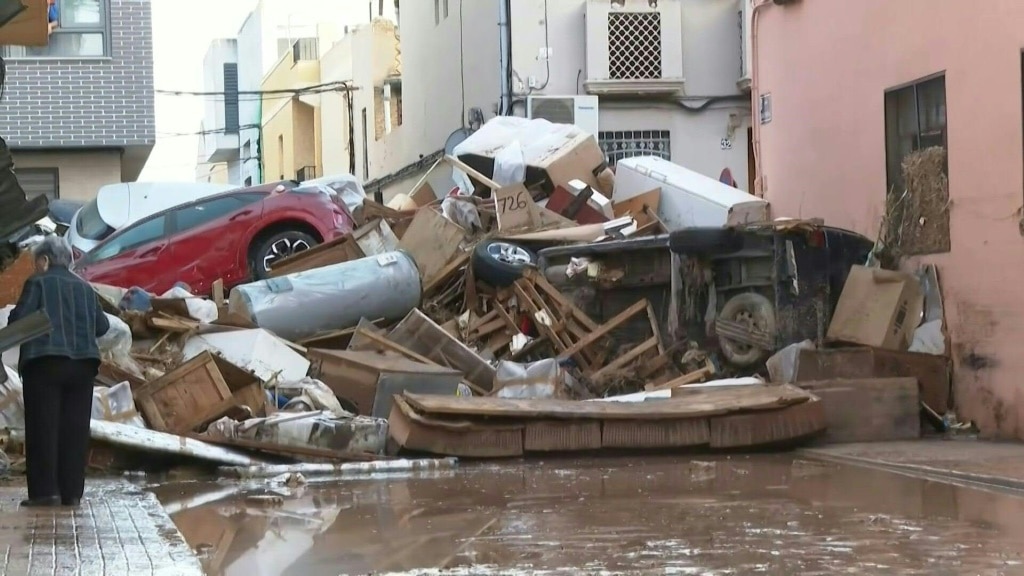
[270,30]
[647,77]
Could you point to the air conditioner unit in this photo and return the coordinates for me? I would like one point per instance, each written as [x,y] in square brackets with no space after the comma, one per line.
[582,111]
[746,21]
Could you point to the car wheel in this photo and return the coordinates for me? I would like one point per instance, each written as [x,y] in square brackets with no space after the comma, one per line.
[499,263]
[705,241]
[755,311]
[278,247]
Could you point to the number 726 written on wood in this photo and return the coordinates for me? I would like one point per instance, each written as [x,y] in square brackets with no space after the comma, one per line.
[514,202]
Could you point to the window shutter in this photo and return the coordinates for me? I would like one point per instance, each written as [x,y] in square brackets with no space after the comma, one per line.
[231,98]
[38,182]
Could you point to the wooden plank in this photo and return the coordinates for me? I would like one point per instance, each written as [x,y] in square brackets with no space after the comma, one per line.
[605,328]
[445,274]
[691,378]
[628,358]
[336,251]
[635,205]
[472,172]
[432,241]
[218,292]
[870,409]
[421,335]
[699,403]
[655,329]
[168,323]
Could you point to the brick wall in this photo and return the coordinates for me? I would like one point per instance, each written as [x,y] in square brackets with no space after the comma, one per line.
[378,111]
[86,103]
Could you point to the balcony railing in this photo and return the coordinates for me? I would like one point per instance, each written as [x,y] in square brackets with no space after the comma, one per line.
[306,173]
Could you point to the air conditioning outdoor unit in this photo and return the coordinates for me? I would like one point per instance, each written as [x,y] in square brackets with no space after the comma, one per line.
[582,111]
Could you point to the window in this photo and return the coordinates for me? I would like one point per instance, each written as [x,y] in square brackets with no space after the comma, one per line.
[39,182]
[915,119]
[917,168]
[246,151]
[196,215]
[142,233]
[231,98]
[248,181]
[619,145]
[82,32]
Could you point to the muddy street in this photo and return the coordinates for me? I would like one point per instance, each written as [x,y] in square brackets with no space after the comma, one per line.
[739,515]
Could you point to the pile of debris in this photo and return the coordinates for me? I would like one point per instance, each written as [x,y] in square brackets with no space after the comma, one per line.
[438,325]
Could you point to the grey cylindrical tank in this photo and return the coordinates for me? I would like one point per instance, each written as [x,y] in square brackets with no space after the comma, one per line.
[305,304]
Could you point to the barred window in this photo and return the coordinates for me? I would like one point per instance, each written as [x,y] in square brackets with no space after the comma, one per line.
[618,145]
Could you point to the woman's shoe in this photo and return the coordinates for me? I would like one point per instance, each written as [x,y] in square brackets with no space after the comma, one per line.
[50,502]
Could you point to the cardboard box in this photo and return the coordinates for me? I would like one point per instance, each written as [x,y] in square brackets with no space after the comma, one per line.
[30,28]
[879,308]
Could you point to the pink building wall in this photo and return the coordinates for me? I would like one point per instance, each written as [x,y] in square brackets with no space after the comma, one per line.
[827,65]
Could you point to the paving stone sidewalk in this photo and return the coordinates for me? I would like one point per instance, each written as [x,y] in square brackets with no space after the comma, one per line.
[997,464]
[119,530]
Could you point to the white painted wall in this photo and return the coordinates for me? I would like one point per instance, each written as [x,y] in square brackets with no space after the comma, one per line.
[711,57]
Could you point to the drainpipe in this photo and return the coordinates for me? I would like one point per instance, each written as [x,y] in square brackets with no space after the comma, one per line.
[755,94]
[505,55]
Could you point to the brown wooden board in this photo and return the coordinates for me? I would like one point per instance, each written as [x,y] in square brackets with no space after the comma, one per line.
[933,373]
[432,241]
[422,335]
[869,410]
[707,402]
[340,250]
[187,398]
[647,434]
[413,431]
[783,427]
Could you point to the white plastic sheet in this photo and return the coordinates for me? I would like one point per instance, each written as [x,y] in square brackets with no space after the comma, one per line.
[116,404]
[199,308]
[509,165]
[309,395]
[116,346]
[346,189]
[12,403]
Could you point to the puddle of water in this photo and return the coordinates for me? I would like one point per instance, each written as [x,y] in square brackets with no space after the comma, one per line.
[740,515]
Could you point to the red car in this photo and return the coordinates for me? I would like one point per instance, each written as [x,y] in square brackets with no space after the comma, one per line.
[235,236]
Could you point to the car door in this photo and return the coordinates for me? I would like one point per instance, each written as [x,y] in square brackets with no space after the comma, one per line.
[137,256]
[207,236]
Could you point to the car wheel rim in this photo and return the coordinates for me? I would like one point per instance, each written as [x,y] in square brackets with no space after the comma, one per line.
[281,249]
[509,254]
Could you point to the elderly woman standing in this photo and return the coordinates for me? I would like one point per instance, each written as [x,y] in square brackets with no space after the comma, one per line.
[58,371]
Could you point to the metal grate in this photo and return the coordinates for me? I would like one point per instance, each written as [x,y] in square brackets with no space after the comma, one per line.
[634,45]
[305,49]
[631,143]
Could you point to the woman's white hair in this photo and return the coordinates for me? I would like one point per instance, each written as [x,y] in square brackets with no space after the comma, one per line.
[55,249]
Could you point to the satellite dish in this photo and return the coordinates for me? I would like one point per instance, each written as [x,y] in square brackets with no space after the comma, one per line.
[456,138]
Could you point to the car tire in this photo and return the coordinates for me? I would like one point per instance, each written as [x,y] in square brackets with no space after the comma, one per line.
[500,264]
[747,307]
[276,247]
[705,241]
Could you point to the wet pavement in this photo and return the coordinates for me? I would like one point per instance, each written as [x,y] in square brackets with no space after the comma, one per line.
[741,515]
[118,531]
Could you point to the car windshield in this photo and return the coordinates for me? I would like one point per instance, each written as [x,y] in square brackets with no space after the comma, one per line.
[91,225]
